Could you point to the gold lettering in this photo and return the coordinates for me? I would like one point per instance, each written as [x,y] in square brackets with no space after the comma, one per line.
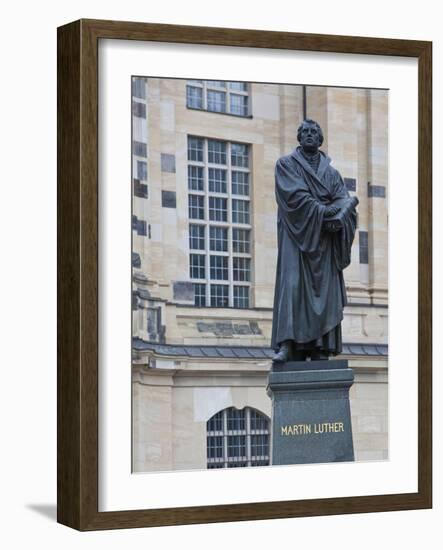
[304,429]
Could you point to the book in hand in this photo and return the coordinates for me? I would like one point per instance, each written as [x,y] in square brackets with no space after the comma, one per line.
[335,223]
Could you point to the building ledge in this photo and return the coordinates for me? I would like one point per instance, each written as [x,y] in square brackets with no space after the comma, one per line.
[244,352]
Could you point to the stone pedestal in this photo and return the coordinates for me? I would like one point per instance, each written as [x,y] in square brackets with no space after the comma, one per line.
[311,417]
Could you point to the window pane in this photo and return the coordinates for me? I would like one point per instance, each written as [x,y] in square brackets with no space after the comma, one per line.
[217,180]
[153,322]
[240,155]
[239,86]
[197,266]
[208,178]
[196,207]
[241,296]
[197,237]
[216,101]
[142,170]
[260,445]
[215,423]
[258,421]
[240,240]
[218,239]
[239,105]
[236,419]
[227,443]
[195,149]
[140,149]
[241,269]
[199,294]
[236,446]
[240,211]
[139,88]
[195,82]
[216,83]
[195,178]
[194,97]
[219,268]
[218,209]
[240,183]
[214,447]
[216,151]
[219,295]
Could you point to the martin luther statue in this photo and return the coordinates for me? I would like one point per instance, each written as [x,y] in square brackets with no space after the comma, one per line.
[316,225]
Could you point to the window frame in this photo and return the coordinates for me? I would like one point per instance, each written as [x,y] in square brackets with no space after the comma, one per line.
[224,425]
[218,212]
[210,86]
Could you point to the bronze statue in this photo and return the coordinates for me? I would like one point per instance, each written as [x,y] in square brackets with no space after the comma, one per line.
[316,225]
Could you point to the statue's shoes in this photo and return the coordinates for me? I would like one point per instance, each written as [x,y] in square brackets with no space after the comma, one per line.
[282,356]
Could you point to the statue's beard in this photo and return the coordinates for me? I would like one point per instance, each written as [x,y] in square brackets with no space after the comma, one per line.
[310,150]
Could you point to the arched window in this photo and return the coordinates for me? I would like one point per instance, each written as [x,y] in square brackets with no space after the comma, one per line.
[237,438]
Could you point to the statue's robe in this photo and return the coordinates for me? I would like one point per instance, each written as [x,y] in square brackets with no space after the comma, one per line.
[309,291]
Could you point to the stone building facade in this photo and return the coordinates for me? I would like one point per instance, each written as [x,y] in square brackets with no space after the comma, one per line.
[204,257]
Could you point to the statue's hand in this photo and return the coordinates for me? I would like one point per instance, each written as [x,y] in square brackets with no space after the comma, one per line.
[332,226]
[330,211]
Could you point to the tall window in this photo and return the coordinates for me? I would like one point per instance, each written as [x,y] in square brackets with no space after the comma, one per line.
[237,438]
[218,96]
[220,222]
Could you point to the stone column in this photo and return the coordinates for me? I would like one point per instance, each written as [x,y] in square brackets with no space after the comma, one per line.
[377,194]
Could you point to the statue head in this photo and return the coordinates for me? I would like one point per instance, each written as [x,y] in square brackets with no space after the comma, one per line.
[310,135]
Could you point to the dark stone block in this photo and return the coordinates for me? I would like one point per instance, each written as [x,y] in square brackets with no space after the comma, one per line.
[205,327]
[134,300]
[311,417]
[254,327]
[242,329]
[138,276]
[142,228]
[139,225]
[363,247]
[224,329]
[139,109]
[136,260]
[140,189]
[168,163]
[143,293]
[351,184]
[376,191]
[183,291]
[169,199]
